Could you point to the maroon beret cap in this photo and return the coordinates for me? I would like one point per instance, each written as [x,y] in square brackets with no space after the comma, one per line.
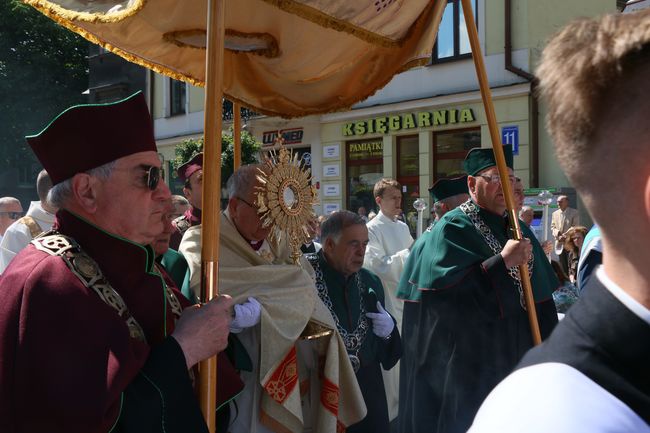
[84,137]
[190,167]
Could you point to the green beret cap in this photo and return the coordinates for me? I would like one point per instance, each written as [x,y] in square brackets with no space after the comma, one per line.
[480,158]
[445,188]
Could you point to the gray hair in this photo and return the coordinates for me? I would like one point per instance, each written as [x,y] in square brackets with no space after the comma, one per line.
[338,221]
[62,191]
[451,202]
[525,209]
[179,200]
[439,209]
[242,181]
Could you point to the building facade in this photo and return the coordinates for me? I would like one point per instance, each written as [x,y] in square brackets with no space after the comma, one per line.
[420,126]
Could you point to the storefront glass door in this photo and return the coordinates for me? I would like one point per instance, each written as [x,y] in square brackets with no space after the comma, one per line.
[408,170]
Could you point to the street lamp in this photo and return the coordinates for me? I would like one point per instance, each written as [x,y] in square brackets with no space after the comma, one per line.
[545,198]
[420,205]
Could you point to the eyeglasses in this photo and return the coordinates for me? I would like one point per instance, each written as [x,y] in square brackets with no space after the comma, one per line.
[152,177]
[13,215]
[241,199]
[495,178]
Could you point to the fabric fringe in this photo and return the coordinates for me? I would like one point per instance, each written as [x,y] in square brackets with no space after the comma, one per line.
[54,10]
[54,13]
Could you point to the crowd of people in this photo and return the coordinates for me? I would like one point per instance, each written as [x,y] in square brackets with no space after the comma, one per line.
[102,326]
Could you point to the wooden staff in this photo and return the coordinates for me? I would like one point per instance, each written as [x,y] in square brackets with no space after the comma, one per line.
[236,135]
[211,193]
[497,147]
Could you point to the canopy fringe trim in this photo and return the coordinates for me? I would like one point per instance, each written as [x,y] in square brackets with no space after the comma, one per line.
[55,11]
[55,15]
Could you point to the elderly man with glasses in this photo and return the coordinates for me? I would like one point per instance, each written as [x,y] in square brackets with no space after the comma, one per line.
[10,211]
[472,326]
[91,337]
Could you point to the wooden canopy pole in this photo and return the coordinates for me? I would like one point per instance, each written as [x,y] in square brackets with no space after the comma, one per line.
[497,147]
[236,136]
[211,192]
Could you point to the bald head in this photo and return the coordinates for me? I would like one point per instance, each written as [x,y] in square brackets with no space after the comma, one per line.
[242,206]
[10,211]
[43,187]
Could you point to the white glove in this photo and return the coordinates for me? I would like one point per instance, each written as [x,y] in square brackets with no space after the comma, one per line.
[246,315]
[382,322]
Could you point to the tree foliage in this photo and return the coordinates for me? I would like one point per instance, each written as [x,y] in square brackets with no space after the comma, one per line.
[249,148]
[43,70]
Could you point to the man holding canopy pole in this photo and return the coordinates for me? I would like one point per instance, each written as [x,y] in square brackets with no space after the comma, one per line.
[91,337]
[472,324]
[591,375]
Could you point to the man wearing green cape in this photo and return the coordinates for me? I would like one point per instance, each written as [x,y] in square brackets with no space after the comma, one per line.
[472,327]
[446,195]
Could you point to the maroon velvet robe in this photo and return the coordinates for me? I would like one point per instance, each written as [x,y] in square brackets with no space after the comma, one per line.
[67,361]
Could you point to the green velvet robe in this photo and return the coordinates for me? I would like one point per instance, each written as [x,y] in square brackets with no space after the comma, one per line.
[468,331]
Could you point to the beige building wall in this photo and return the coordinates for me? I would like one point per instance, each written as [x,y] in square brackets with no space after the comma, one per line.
[511,106]
[533,22]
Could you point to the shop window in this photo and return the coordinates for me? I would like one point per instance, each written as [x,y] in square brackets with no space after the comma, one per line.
[450,149]
[453,41]
[364,167]
[177,97]
[408,169]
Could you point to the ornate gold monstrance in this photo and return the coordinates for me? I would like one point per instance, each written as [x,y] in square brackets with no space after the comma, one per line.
[286,198]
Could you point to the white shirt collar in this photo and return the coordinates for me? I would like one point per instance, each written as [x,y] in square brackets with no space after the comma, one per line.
[625,299]
[385,218]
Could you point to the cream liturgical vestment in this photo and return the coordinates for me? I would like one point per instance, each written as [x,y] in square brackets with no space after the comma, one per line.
[296,385]
[386,254]
[20,234]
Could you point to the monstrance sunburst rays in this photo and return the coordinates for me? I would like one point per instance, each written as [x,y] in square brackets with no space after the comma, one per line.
[286,198]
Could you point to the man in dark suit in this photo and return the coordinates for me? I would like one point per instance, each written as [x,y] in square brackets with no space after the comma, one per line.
[593,373]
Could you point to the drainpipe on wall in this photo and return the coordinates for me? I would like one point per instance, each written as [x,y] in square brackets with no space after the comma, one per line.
[534,103]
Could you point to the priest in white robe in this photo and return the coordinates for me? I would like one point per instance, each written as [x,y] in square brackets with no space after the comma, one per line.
[387,251]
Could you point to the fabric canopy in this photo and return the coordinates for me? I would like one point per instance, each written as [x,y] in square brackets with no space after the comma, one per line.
[289,58]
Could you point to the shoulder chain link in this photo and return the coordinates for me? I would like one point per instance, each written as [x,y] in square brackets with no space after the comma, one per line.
[182,223]
[470,209]
[91,276]
[352,340]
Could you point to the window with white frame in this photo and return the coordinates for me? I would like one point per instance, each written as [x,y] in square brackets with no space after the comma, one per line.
[453,41]
[177,97]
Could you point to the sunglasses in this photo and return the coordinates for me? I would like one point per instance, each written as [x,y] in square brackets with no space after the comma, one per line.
[12,215]
[152,176]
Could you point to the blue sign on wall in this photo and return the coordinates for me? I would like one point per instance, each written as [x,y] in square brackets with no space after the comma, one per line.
[510,135]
